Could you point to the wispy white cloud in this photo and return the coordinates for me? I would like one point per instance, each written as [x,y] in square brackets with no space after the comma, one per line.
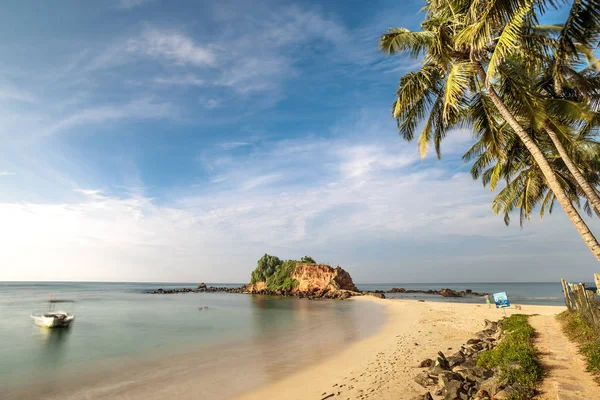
[128,4]
[7,173]
[145,241]
[233,145]
[260,181]
[212,104]
[171,46]
[15,94]
[263,57]
[183,80]
[138,109]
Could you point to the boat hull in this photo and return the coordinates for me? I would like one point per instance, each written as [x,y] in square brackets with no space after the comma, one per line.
[54,320]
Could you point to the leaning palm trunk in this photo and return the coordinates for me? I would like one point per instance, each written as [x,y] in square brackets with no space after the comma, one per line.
[590,192]
[545,167]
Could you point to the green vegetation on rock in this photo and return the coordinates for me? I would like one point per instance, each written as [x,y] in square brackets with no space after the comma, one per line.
[308,260]
[584,335]
[265,268]
[516,356]
[276,272]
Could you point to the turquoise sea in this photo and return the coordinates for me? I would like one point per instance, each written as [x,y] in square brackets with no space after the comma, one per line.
[119,327]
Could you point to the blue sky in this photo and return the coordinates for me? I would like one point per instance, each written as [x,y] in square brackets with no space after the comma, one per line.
[146,140]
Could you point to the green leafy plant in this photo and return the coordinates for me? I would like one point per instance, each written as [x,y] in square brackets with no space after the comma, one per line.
[275,273]
[308,260]
[516,356]
[266,266]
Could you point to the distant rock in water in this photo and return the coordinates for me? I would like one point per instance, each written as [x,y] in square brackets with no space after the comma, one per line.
[442,292]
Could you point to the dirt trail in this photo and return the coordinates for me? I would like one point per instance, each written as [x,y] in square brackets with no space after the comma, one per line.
[566,378]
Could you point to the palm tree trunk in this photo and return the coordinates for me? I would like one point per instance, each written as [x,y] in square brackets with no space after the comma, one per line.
[589,190]
[545,167]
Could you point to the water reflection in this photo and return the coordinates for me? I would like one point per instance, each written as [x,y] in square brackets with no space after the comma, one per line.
[53,346]
[314,330]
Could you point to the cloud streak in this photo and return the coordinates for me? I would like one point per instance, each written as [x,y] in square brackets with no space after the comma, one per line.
[171,46]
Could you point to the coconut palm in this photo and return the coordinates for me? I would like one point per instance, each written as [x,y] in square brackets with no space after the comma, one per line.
[458,40]
[525,186]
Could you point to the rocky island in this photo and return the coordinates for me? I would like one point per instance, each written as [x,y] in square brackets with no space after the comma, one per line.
[302,278]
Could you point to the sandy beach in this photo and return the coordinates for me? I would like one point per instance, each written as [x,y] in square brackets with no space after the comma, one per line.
[383,366]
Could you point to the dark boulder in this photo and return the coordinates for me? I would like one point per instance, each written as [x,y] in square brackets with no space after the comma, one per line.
[450,293]
[425,380]
[397,290]
[454,391]
[428,362]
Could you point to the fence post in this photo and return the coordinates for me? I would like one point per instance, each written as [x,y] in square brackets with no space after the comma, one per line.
[568,298]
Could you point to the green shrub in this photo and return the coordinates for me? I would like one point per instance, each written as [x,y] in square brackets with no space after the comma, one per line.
[308,260]
[516,356]
[266,266]
[275,272]
[281,278]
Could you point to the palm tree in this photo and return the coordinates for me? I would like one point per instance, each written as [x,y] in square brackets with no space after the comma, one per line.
[567,45]
[458,39]
[525,186]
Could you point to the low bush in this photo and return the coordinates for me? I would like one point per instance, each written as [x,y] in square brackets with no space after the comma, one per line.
[515,356]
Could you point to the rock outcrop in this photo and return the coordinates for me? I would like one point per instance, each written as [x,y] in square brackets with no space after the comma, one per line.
[315,277]
[313,281]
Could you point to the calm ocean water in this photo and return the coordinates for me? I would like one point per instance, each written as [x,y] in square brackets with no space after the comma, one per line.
[118,324]
[518,293]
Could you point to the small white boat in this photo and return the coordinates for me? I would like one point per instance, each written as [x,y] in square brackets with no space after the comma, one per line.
[52,318]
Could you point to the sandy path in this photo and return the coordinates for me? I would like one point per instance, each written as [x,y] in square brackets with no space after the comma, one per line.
[384,365]
[566,378]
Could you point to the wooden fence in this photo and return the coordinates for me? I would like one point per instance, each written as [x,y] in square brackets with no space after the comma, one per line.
[583,302]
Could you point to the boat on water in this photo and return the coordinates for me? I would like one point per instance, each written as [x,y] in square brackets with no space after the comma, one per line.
[53,318]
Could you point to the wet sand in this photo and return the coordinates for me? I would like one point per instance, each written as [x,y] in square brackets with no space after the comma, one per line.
[384,365]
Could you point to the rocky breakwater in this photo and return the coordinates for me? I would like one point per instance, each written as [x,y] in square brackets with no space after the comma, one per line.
[457,377]
[442,292]
[202,288]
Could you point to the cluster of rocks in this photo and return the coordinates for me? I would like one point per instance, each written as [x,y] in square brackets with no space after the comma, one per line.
[442,292]
[202,288]
[458,377]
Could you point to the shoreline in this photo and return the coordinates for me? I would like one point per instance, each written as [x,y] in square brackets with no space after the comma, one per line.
[383,365]
[189,372]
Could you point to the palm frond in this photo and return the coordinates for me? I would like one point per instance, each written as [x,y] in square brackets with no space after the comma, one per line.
[401,40]
[510,37]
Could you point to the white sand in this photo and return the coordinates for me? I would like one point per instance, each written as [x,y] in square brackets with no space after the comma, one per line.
[383,366]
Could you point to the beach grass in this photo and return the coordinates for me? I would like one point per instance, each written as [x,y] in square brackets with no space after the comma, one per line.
[586,338]
[516,357]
